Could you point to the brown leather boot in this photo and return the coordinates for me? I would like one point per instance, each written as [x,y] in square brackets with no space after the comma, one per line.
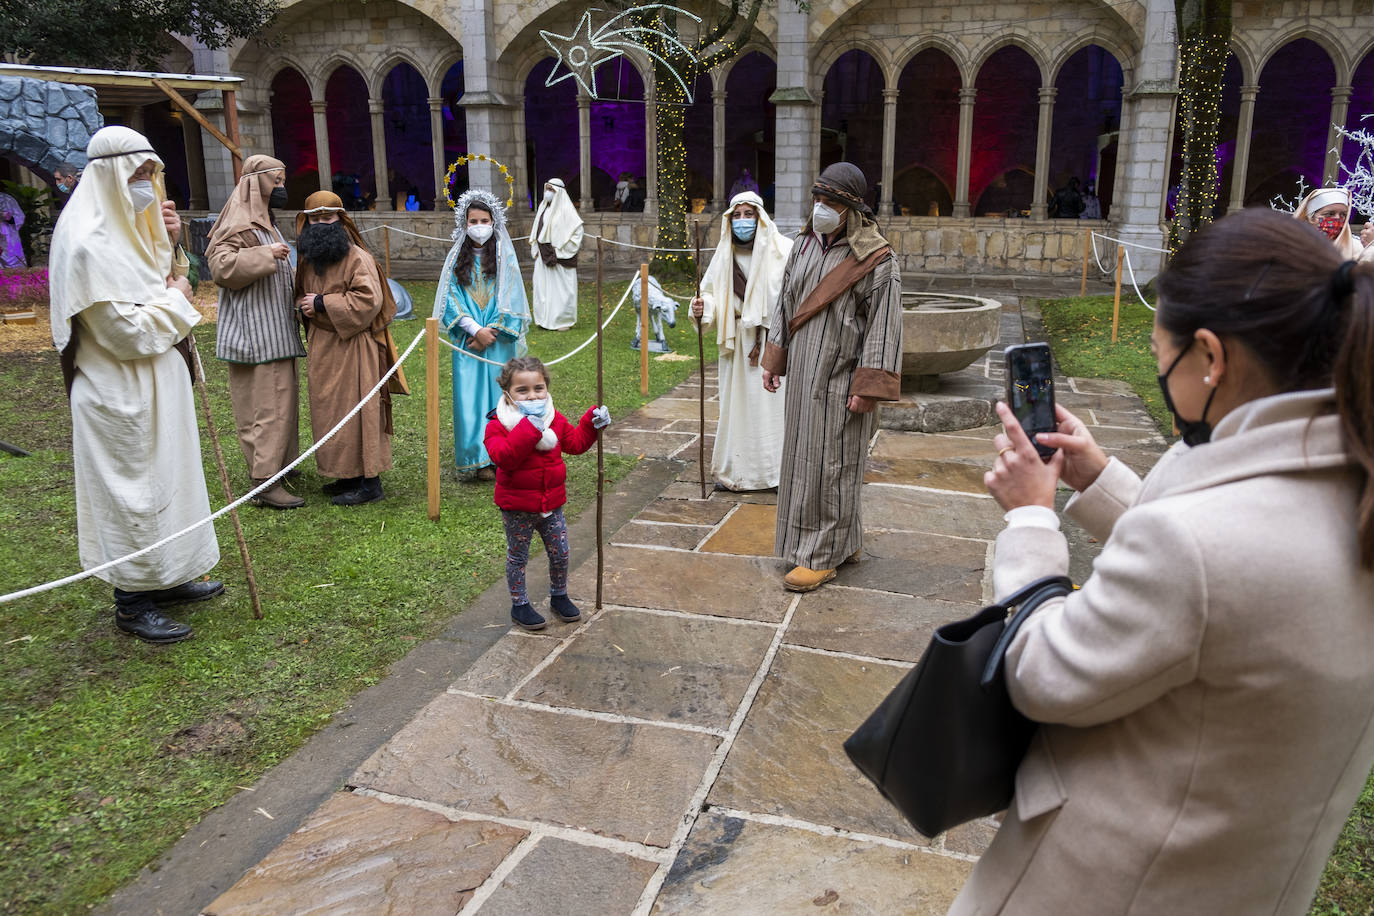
[276,497]
[802,579]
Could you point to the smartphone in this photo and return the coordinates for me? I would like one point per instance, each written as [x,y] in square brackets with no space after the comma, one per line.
[1030,390]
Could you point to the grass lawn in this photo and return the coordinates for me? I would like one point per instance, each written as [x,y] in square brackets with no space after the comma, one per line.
[112,747]
[1080,330]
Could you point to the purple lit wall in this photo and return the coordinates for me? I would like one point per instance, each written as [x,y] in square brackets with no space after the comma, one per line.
[293,135]
[455,129]
[617,129]
[1361,103]
[699,142]
[409,148]
[852,116]
[1087,108]
[1006,117]
[551,131]
[927,148]
[350,136]
[1291,115]
[1226,143]
[750,122]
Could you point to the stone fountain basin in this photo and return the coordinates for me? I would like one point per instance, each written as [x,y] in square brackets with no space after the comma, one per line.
[946,333]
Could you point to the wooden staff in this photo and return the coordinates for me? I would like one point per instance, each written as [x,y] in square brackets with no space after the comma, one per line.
[600,451]
[224,480]
[1116,302]
[1087,243]
[644,329]
[432,415]
[701,366]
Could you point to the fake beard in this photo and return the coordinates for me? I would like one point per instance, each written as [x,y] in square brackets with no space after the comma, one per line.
[323,244]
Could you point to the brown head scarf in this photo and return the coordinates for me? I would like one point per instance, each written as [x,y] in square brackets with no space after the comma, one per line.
[246,207]
[845,182]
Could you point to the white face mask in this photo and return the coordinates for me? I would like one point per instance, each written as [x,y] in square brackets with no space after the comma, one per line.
[143,195]
[823,219]
[480,232]
[548,195]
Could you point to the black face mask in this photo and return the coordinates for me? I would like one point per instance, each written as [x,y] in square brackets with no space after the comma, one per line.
[277,199]
[1194,432]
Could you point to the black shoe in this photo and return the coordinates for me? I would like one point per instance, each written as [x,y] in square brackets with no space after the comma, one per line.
[562,606]
[369,491]
[526,617]
[342,485]
[142,618]
[186,593]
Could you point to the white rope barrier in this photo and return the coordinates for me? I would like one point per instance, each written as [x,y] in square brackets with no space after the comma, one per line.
[1130,244]
[1127,254]
[523,238]
[270,482]
[553,362]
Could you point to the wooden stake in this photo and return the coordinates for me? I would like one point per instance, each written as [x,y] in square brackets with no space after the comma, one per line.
[600,450]
[231,127]
[432,414]
[1116,304]
[1087,243]
[701,367]
[644,329]
[224,481]
[386,235]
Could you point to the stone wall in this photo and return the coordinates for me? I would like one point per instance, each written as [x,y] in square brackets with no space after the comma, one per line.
[45,124]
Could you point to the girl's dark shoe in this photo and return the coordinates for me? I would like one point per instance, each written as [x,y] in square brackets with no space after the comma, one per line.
[562,606]
[526,617]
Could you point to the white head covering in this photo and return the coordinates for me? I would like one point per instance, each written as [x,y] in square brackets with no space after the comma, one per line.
[510,285]
[102,251]
[766,267]
[560,219]
[1349,246]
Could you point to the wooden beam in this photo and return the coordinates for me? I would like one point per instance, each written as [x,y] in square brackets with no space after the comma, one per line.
[231,124]
[181,102]
[117,78]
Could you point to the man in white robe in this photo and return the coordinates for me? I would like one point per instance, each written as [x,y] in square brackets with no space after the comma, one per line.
[738,295]
[120,316]
[554,244]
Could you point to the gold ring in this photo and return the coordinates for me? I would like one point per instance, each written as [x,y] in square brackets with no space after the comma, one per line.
[1005,448]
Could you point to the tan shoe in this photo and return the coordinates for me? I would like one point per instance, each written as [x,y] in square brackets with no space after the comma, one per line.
[276,498]
[855,557]
[802,579]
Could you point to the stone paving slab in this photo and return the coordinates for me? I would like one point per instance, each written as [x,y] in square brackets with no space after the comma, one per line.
[730,865]
[672,580]
[652,666]
[649,444]
[490,758]
[908,509]
[505,664]
[698,512]
[673,408]
[789,757]
[877,624]
[914,563]
[748,532]
[360,855]
[559,878]
[682,537]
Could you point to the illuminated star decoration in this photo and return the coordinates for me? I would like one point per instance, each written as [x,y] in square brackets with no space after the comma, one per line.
[579,56]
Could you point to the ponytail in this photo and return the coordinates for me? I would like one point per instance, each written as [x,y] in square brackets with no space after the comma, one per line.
[1353,376]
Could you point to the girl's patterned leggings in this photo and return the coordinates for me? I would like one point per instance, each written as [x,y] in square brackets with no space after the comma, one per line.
[520,528]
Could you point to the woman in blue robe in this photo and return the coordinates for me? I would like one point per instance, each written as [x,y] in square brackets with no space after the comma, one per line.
[481,303]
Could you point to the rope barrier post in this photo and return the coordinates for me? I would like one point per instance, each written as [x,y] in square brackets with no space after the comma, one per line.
[224,482]
[1116,304]
[701,371]
[386,235]
[600,448]
[644,329]
[1087,243]
[432,414]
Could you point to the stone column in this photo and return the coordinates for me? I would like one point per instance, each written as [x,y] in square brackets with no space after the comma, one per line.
[967,94]
[322,144]
[519,164]
[1244,125]
[436,145]
[1042,152]
[797,155]
[219,165]
[584,151]
[486,111]
[719,185]
[889,149]
[1340,108]
[195,163]
[376,108]
[651,151]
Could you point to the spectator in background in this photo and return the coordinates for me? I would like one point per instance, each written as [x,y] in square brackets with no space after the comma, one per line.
[65,176]
[1067,202]
[11,245]
[1092,207]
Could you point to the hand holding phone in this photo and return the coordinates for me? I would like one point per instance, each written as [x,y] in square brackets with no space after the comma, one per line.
[1030,391]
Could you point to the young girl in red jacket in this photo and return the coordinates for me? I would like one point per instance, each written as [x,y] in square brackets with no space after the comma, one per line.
[526,439]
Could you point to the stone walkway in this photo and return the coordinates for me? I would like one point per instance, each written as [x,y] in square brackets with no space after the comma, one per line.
[679,751]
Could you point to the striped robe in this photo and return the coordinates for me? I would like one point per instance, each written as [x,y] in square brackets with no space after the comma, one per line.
[257,313]
[854,346]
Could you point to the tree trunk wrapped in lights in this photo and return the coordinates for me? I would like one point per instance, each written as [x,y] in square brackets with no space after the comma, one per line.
[1204,33]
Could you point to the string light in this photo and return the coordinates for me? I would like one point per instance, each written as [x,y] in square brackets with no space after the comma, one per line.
[1202,64]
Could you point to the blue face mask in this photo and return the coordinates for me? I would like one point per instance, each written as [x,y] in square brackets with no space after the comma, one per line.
[744,229]
[531,408]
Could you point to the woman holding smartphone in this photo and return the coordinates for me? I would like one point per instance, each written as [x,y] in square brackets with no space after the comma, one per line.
[1207,698]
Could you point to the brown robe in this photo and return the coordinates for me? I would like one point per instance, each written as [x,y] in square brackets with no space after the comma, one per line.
[346,346]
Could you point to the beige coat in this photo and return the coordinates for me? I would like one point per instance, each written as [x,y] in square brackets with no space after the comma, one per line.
[1212,683]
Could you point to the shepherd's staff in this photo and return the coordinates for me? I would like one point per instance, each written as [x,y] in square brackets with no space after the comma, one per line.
[600,453]
[701,366]
[224,478]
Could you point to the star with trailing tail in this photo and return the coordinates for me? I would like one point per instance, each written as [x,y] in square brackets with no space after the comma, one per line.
[579,56]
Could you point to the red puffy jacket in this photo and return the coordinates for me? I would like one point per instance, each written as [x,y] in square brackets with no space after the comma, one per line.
[528,480]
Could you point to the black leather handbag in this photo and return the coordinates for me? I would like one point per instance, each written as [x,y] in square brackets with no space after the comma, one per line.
[944,745]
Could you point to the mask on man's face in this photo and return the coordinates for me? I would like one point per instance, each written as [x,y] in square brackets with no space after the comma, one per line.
[744,229]
[277,199]
[1331,225]
[142,195]
[548,195]
[64,187]
[823,219]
